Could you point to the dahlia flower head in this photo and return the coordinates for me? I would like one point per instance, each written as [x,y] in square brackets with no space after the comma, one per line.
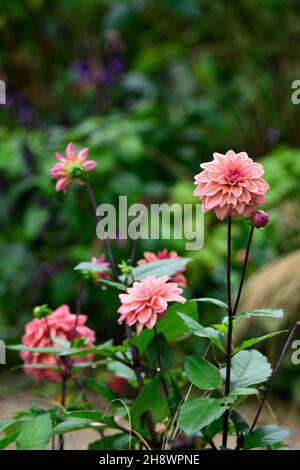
[149,257]
[61,324]
[73,166]
[146,301]
[101,262]
[231,184]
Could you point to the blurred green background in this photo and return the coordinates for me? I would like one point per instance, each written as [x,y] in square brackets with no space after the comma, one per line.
[153,88]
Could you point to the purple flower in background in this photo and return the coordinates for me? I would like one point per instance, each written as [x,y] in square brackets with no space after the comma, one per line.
[82,71]
[111,72]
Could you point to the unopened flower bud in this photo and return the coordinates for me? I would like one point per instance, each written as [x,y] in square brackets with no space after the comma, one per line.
[125,268]
[260,219]
[41,311]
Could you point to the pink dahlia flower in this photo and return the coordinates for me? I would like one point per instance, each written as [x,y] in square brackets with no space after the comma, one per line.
[73,166]
[101,262]
[61,325]
[146,302]
[231,184]
[149,257]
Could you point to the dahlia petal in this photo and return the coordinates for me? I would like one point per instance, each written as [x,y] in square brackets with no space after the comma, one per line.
[71,152]
[63,184]
[90,165]
[152,321]
[144,315]
[82,155]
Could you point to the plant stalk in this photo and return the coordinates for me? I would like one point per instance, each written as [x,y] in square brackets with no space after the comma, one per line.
[229,335]
[136,368]
[63,402]
[162,379]
[275,371]
[106,239]
[236,305]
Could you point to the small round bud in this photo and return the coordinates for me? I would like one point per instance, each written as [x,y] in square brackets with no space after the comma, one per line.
[77,170]
[260,219]
[41,311]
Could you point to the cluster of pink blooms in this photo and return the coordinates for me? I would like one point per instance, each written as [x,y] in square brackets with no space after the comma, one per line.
[59,324]
[149,257]
[72,166]
[146,302]
[231,185]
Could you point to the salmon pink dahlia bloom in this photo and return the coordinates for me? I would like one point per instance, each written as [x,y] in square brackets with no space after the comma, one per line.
[149,257]
[60,324]
[231,184]
[146,302]
[73,166]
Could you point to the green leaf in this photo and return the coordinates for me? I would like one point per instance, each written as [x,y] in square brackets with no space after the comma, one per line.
[147,399]
[197,413]
[165,353]
[172,326]
[213,428]
[116,285]
[248,368]
[202,373]
[175,397]
[8,440]
[211,300]
[63,342]
[243,391]
[250,342]
[100,388]
[71,424]
[46,350]
[91,415]
[265,312]
[265,436]
[91,267]
[114,442]
[201,331]
[165,267]
[35,433]
[121,370]
[106,350]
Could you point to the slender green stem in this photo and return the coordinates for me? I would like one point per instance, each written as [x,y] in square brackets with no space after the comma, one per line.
[136,368]
[229,335]
[63,402]
[231,314]
[106,241]
[275,370]
[244,270]
[159,370]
